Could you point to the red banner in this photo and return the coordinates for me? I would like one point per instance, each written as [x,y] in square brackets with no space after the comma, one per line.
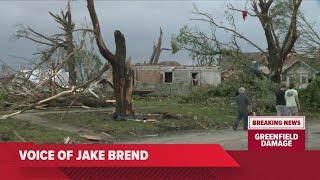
[276,133]
[95,155]
[207,162]
[276,140]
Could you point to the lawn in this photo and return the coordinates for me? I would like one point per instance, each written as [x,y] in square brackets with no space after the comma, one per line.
[32,133]
[172,117]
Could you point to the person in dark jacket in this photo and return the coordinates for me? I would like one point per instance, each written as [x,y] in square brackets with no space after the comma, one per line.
[281,101]
[243,103]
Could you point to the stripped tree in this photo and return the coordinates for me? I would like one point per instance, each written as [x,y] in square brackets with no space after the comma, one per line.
[121,69]
[65,20]
[278,48]
[56,43]
[280,40]
[156,51]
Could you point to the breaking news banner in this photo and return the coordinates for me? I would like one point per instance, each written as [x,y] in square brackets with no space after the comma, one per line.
[286,133]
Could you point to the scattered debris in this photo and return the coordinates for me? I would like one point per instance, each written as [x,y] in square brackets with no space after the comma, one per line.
[18,136]
[57,95]
[106,134]
[201,125]
[132,133]
[67,140]
[167,115]
[151,135]
[9,115]
[94,94]
[41,107]
[85,107]
[91,137]
[4,137]
[151,120]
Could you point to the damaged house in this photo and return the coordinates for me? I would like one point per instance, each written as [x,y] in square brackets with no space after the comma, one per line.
[300,70]
[173,78]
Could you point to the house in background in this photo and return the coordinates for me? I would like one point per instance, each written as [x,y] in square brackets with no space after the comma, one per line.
[171,78]
[300,70]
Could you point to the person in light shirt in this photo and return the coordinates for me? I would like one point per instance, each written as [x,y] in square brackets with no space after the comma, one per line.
[292,100]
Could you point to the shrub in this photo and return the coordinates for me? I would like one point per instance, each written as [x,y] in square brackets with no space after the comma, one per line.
[3,95]
[196,95]
[259,90]
[223,90]
[310,97]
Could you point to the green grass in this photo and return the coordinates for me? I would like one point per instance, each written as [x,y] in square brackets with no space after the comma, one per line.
[180,117]
[311,115]
[101,122]
[212,112]
[31,132]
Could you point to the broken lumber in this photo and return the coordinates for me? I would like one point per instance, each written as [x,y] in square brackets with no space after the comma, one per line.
[9,115]
[57,95]
[18,135]
[91,137]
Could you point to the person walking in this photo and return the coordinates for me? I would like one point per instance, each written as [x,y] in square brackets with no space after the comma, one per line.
[243,104]
[281,101]
[292,100]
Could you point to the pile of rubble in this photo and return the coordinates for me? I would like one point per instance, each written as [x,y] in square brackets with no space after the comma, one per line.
[26,91]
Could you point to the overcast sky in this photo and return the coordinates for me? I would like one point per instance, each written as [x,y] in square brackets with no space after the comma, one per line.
[138,20]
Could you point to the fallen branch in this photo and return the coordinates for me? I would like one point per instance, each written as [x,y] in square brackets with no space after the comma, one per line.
[18,135]
[202,126]
[39,103]
[9,115]
[106,134]
[67,140]
[57,95]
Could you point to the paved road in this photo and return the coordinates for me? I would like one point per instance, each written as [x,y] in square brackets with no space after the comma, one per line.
[229,139]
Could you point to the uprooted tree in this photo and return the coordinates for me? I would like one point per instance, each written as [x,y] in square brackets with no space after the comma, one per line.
[36,86]
[121,69]
[57,42]
[280,40]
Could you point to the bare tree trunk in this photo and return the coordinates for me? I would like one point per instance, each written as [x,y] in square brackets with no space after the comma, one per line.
[72,63]
[122,81]
[275,66]
[52,80]
[122,71]
[156,50]
[277,51]
[69,28]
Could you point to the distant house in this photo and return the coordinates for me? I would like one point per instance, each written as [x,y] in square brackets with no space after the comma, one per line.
[300,70]
[169,78]
[173,78]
